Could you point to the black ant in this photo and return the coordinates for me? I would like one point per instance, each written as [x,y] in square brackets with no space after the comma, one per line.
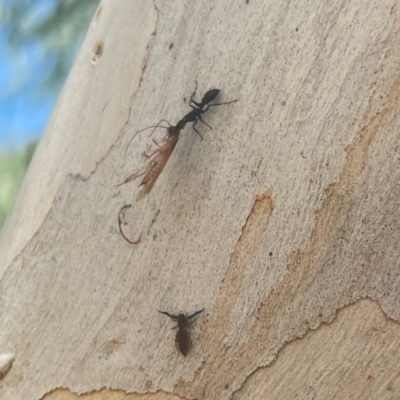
[182,338]
[198,109]
[194,115]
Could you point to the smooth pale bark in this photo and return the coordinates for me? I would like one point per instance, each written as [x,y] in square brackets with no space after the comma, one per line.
[283,223]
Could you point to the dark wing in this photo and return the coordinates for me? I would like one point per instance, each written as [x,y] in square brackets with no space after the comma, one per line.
[174,317]
[194,314]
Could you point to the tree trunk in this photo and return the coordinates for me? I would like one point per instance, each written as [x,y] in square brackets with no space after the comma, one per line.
[283,223]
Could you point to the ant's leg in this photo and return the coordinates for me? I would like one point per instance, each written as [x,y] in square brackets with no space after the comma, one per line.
[221,104]
[194,124]
[205,123]
[191,97]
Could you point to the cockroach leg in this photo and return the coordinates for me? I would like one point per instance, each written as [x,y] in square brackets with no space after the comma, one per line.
[158,144]
[149,155]
[149,127]
[131,178]
[120,226]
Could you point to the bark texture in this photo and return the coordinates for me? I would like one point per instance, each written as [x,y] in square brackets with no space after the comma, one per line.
[283,223]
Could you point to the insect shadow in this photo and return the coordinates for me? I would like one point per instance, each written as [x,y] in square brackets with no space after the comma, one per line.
[182,339]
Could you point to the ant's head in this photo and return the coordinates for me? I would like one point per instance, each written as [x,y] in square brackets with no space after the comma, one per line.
[210,96]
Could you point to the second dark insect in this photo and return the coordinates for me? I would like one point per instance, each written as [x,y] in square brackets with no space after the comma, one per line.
[182,338]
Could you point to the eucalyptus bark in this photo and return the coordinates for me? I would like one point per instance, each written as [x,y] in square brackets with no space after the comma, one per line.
[283,223]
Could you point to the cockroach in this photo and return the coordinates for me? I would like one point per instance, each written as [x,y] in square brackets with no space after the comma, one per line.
[198,109]
[182,338]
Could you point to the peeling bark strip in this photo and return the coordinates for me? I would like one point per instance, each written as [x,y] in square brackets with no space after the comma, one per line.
[356,330]
[108,394]
[252,233]
[6,361]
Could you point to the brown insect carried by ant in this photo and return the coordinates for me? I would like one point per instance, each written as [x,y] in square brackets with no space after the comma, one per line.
[158,160]
[182,339]
[151,172]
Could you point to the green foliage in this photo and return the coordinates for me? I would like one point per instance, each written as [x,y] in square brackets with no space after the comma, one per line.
[13,165]
[57,25]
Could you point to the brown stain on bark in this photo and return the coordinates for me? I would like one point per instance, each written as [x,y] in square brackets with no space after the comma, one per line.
[252,233]
[329,220]
[370,346]
[274,326]
[218,322]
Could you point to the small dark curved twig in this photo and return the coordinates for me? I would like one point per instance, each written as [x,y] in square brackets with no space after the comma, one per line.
[120,226]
